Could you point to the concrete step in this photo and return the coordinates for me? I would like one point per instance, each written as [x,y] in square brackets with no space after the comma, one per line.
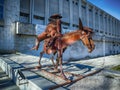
[32,81]
[6,83]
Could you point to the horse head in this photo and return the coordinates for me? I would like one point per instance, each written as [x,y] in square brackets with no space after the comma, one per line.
[87,38]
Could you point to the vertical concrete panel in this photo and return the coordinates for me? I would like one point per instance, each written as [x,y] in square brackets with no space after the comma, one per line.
[75,14]
[84,18]
[11,14]
[1,38]
[79,5]
[91,18]
[66,11]
[96,19]
[54,7]
[71,13]
[87,14]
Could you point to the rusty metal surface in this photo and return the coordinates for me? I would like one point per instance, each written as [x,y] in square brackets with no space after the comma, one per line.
[54,77]
[73,81]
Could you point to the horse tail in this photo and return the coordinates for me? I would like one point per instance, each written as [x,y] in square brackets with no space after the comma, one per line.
[80,24]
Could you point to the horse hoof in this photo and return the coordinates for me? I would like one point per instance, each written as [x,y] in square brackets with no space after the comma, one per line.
[56,70]
[66,79]
[38,67]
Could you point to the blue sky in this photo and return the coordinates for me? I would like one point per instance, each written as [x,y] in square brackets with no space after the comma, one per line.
[110,6]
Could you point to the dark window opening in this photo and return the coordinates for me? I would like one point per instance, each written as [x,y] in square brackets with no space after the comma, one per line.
[76,3]
[1,9]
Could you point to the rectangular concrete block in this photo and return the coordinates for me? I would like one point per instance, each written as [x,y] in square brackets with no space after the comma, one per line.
[25,28]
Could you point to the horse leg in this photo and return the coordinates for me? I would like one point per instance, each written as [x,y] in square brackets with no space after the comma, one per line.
[57,60]
[60,52]
[52,59]
[41,54]
[36,44]
[60,62]
[57,63]
[61,69]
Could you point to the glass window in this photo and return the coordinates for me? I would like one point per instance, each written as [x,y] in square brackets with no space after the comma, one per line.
[1,8]
[39,7]
[39,12]
[24,10]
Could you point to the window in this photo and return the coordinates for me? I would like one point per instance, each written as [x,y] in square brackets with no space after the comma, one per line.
[1,9]
[24,10]
[32,11]
[39,12]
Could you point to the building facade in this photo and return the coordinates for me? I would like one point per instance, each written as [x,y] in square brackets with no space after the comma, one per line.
[22,20]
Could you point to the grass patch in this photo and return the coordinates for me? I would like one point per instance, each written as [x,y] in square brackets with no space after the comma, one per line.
[117,68]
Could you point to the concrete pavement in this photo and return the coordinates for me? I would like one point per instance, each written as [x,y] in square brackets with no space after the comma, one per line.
[105,80]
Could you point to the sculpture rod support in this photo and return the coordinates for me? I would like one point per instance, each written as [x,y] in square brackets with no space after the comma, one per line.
[81,77]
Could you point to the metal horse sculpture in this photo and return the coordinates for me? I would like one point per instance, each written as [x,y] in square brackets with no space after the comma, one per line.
[52,30]
[60,42]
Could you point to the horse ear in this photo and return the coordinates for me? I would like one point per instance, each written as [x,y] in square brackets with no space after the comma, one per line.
[80,24]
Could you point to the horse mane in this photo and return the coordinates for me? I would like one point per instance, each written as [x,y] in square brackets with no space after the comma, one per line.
[88,29]
[70,33]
